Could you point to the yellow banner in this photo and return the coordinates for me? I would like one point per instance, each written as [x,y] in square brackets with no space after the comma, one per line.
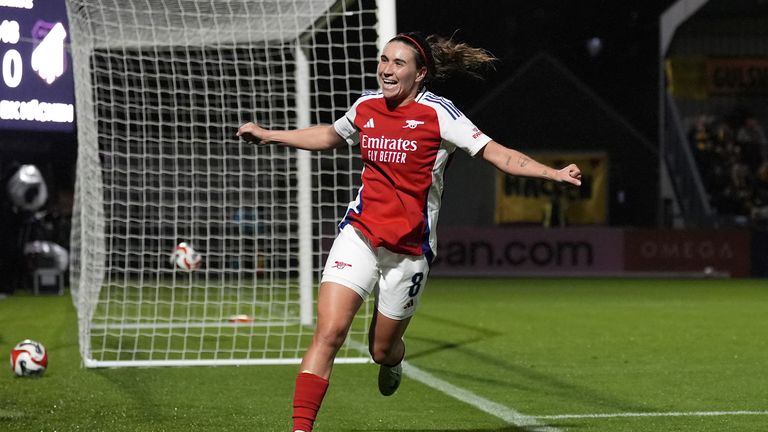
[522,199]
[698,77]
[748,76]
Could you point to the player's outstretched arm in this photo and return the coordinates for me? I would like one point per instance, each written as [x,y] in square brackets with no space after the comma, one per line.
[516,163]
[314,138]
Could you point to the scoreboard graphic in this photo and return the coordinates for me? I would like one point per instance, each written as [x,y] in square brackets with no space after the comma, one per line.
[36,85]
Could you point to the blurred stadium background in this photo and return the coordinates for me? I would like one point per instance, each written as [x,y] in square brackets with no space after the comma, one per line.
[662,100]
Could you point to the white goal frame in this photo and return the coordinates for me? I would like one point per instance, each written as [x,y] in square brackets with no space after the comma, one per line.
[91,245]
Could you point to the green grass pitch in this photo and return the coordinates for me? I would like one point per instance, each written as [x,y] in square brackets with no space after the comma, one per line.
[572,354]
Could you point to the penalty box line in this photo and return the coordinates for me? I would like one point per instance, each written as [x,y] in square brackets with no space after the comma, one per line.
[531,422]
[652,414]
[515,418]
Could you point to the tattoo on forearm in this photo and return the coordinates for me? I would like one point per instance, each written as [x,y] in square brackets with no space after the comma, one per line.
[523,162]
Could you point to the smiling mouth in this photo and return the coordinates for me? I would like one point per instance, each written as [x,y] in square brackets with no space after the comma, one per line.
[388,83]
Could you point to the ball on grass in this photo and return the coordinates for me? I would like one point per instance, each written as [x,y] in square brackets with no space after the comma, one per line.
[29,358]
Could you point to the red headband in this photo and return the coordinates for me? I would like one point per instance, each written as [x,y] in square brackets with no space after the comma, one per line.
[421,50]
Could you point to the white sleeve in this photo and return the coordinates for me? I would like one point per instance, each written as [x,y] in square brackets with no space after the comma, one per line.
[345,126]
[462,133]
[455,128]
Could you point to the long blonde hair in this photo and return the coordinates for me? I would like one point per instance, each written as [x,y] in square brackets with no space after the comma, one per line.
[445,57]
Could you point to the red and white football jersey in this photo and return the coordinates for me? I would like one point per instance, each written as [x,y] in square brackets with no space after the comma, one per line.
[404,153]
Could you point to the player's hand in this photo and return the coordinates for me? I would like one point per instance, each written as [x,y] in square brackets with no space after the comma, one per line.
[253,133]
[570,174]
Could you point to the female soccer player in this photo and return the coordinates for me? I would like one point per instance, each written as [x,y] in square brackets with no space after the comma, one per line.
[387,236]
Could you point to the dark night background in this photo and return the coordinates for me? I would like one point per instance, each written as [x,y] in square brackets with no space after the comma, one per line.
[624,73]
[548,93]
[587,102]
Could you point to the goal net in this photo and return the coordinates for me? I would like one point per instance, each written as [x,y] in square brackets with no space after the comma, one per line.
[162,87]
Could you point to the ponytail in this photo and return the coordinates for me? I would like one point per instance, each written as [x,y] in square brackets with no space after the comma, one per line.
[445,58]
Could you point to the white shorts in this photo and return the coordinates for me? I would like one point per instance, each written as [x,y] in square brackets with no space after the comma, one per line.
[354,263]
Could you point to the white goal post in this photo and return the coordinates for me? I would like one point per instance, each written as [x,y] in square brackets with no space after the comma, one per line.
[161,88]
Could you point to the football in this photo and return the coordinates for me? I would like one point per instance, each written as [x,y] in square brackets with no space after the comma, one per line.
[185,257]
[29,358]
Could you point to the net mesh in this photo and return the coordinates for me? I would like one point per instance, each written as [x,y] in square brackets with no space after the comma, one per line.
[161,90]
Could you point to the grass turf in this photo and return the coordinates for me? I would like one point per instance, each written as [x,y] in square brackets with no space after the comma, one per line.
[538,346]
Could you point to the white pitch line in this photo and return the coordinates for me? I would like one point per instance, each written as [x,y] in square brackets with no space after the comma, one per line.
[507,414]
[497,410]
[651,414]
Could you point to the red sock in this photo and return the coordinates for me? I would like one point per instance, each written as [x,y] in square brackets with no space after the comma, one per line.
[309,393]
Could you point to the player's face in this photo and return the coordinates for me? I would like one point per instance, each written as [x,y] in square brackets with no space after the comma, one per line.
[399,77]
